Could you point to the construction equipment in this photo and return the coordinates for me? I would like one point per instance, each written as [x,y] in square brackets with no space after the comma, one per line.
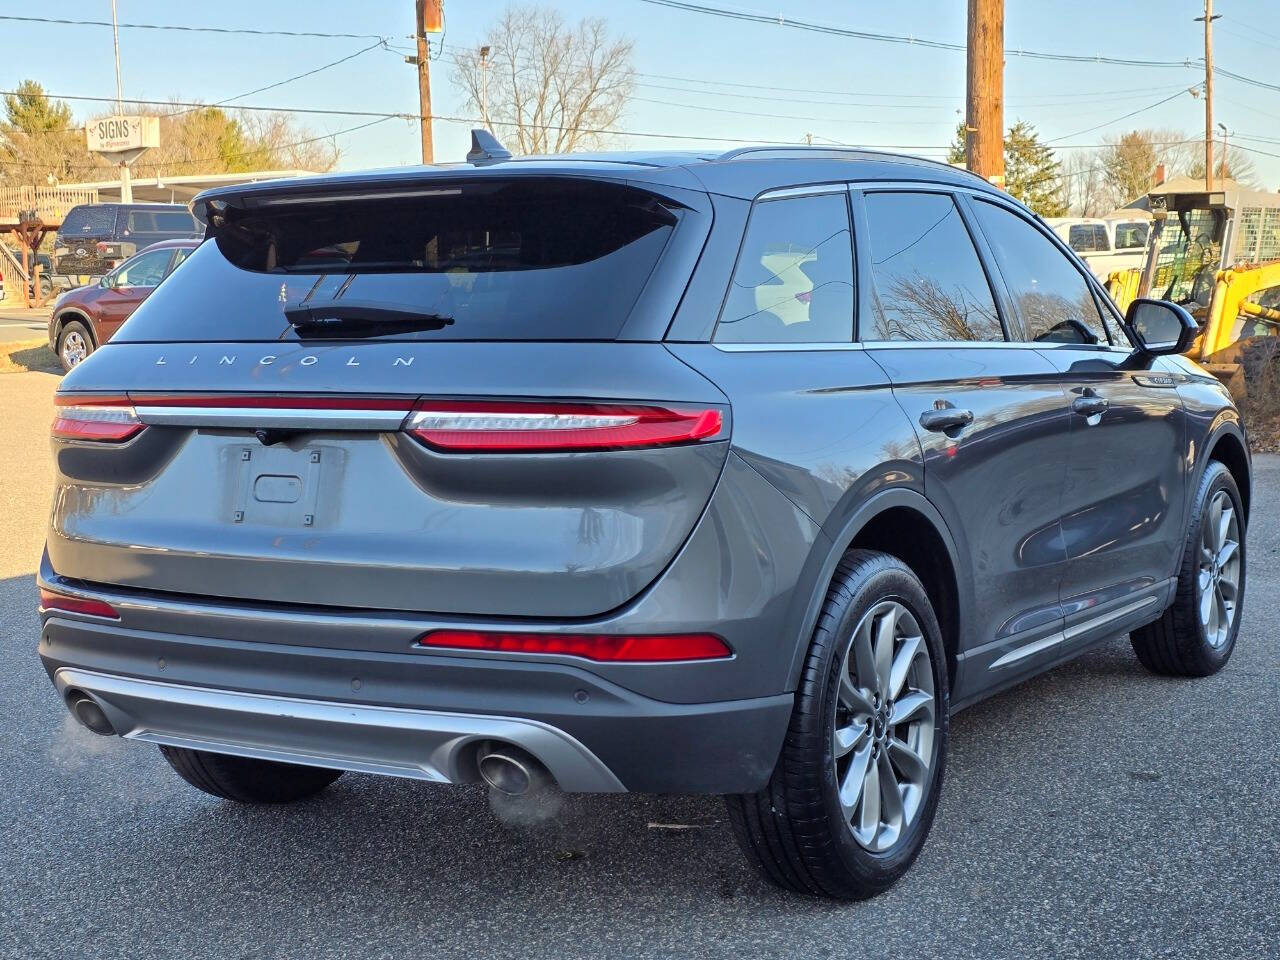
[1218,254]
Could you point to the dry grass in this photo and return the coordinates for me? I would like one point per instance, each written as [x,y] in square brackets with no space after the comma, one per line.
[28,355]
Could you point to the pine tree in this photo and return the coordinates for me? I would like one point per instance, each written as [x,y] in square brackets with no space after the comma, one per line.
[1031,172]
[36,139]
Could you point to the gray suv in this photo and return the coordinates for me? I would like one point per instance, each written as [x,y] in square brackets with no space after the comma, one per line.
[678,473]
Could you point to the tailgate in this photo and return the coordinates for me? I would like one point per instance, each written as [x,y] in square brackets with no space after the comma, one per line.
[249,483]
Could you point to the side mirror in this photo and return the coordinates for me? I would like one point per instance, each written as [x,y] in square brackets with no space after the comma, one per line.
[1160,327]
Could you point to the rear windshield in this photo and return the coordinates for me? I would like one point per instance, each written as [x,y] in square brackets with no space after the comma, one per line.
[89,221]
[500,260]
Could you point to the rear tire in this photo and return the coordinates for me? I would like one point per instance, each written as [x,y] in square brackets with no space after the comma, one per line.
[246,779]
[1194,637]
[74,344]
[811,829]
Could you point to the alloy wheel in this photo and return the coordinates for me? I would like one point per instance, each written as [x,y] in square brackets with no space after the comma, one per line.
[74,348]
[1219,581]
[883,736]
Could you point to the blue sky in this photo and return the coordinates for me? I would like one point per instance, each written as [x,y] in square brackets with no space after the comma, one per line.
[853,91]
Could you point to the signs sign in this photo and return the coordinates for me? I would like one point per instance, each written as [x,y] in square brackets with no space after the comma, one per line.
[123,134]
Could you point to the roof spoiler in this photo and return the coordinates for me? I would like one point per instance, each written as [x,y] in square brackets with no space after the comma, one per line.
[485,148]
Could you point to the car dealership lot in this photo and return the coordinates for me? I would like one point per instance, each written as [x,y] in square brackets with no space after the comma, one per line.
[1097,811]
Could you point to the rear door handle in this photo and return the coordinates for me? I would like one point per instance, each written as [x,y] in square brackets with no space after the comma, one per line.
[1089,406]
[946,418]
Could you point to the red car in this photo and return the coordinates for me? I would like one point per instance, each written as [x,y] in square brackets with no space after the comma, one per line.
[85,318]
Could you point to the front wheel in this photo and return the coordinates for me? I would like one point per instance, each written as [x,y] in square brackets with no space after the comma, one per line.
[855,789]
[1195,636]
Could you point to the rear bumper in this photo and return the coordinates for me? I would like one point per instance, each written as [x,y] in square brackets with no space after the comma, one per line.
[421,744]
[407,714]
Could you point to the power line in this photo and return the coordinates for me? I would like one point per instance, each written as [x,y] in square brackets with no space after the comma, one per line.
[814,27]
[1134,113]
[197,29]
[300,76]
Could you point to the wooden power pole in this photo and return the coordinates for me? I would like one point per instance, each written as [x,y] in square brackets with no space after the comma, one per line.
[1208,93]
[427,18]
[984,112]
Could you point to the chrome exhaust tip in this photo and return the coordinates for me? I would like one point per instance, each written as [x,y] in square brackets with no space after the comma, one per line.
[89,714]
[512,771]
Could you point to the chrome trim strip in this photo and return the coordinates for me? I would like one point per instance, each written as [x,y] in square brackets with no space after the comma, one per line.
[418,744]
[792,347]
[267,416]
[1070,633]
[806,191]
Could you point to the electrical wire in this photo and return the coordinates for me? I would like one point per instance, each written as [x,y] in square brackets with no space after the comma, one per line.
[815,27]
[62,21]
[1134,113]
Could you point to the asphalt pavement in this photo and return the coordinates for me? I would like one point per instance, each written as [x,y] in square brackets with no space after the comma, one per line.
[18,323]
[1095,812]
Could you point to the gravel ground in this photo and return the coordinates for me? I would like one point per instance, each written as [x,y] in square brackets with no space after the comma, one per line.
[1095,812]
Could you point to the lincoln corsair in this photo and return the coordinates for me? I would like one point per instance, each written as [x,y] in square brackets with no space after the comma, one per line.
[682,473]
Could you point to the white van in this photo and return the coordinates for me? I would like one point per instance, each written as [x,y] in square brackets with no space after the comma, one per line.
[1105,245]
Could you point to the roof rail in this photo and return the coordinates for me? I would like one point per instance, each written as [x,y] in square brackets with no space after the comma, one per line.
[833,152]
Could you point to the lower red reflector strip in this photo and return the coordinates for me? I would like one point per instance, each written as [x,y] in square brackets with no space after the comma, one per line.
[603,648]
[60,601]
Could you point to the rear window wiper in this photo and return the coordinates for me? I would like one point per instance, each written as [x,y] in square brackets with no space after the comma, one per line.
[346,317]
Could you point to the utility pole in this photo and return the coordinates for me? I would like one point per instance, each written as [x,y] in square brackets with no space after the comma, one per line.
[984,112]
[484,87]
[126,181]
[1208,19]
[427,18]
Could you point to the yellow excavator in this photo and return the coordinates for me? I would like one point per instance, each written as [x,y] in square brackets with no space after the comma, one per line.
[1218,254]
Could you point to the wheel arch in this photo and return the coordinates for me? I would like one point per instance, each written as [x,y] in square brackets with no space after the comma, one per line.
[904,524]
[71,314]
[1228,447]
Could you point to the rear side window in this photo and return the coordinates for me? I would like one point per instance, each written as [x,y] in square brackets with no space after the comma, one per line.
[90,221]
[1052,296]
[555,259]
[161,221]
[1088,238]
[1131,236]
[794,279]
[928,281]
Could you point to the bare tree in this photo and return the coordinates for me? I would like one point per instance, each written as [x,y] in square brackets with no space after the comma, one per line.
[553,85]
[1084,187]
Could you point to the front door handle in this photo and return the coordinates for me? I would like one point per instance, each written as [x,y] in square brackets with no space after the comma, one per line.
[1088,406]
[944,419]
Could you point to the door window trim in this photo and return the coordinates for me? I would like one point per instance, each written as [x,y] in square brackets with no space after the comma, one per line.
[1091,282]
[792,193]
[862,262]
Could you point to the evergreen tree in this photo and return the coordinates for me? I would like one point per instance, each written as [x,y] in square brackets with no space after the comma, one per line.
[1031,171]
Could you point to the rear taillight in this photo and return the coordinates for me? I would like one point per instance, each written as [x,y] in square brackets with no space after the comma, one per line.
[109,419]
[49,600]
[514,426]
[604,648]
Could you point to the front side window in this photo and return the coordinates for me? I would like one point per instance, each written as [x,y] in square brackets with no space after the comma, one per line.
[928,281]
[794,279]
[145,271]
[1052,297]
